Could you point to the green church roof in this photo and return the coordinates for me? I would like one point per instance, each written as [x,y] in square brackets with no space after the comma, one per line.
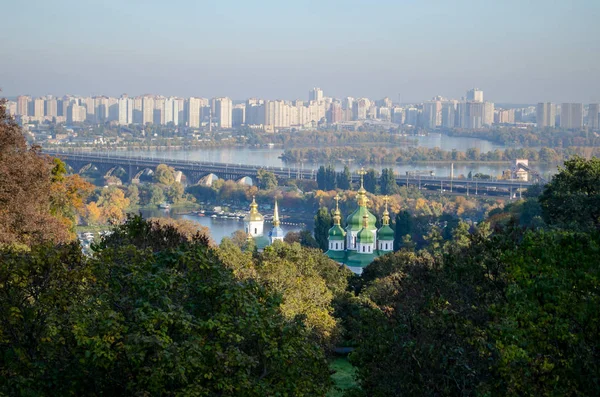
[338,256]
[365,236]
[261,242]
[356,259]
[337,233]
[355,220]
[385,233]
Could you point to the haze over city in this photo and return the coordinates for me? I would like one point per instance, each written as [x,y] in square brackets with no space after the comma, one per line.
[521,52]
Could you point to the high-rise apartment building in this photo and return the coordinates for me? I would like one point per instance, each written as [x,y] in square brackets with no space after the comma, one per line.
[113,109]
[101,109]
[23,105]
[137,110]
[474,114]
[277,114]
[255,112]
[11,107]
[593,116]
[193,119]
[397,115]
[505,116]
[90,106]
[125,105]
[545,114]
[432,114]
[316,94]
[159,111]
[335,113]
[411,116]
[238,115]
[51,107]
[449,119]
[171,111]
[76,113]
[38,108]
[384,113]
[384,103]
[360,108]
[223,112]
[571,115]
[147,109]
[475,95]
[488,115]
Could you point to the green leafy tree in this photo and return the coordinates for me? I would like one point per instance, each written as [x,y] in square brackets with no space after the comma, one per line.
[344,179]
[388,182]
[548,330]
[266,180]
[308,280]
[307,239]
[133,194]
[430,320]
[404,226]
[42,290]
[330,178]
[370,181]
[154,312]
[322,178]
[113,204]
[156,195]
[572,199]
[323,222]
[175,192]
[164,175]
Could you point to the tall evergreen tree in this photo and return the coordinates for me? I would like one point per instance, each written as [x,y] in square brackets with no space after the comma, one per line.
[330,182]
[323,222]
[344,179]
[404,226]
[321,178]
[370,181]
[388,181]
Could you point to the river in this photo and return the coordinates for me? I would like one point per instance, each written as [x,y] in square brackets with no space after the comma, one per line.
[219,227]
[271,157]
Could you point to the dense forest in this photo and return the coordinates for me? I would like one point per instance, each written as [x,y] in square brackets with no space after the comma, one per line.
[507,306]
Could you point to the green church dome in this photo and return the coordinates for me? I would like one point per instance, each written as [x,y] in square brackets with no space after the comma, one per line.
[365,236]
[355,219]
[337,233]
[385,233]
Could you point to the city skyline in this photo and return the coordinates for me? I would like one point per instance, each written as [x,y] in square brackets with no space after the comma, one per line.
[472,111]
[408,51]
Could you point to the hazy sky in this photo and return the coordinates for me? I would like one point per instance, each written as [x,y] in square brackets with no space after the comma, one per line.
[520,51]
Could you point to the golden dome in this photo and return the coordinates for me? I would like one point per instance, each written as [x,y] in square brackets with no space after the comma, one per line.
[254,215]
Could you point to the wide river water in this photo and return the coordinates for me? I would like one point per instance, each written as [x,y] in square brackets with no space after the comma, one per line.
[270,157]
[219,227]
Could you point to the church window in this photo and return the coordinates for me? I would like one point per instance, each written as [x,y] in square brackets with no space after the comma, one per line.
[363,248]
[255,231]
[336,245]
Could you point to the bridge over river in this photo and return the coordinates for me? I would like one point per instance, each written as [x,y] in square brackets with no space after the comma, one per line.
[195,171]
